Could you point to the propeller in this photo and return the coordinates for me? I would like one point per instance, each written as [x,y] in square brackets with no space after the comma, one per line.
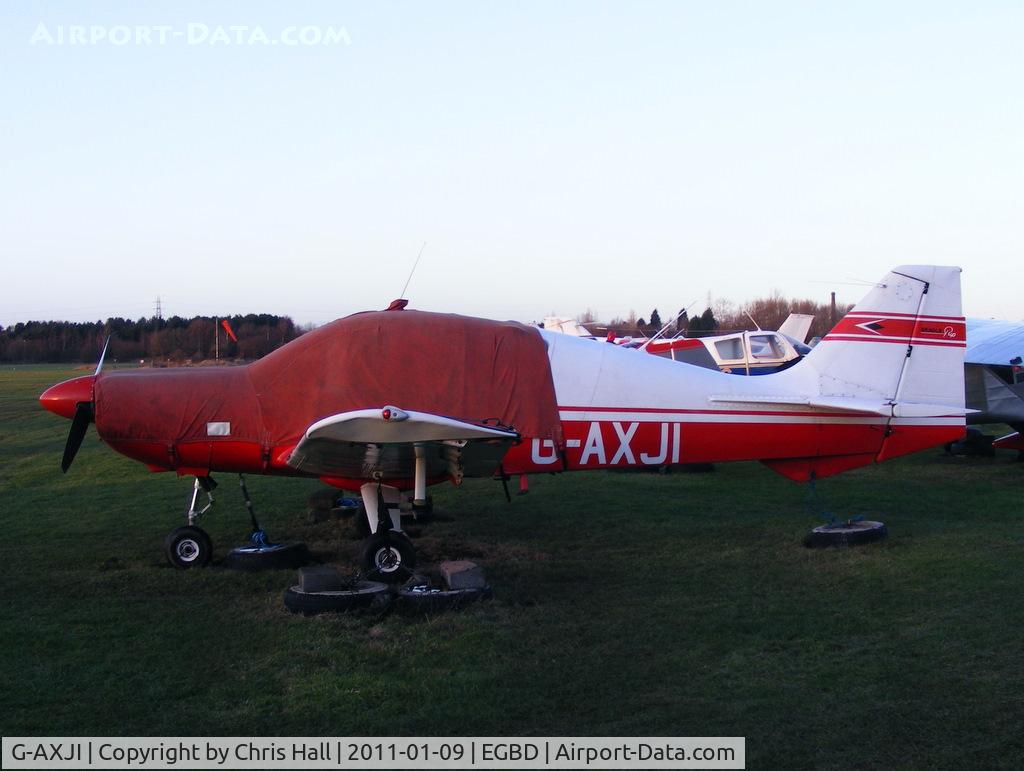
[79,425]
[103,355]
[75,399]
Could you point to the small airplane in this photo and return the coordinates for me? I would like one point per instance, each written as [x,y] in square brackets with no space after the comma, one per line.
[751,352]
[393,401]
[757,352]
[565,325]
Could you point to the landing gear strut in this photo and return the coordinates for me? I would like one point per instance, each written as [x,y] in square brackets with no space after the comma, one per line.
[190,546]
[387,555]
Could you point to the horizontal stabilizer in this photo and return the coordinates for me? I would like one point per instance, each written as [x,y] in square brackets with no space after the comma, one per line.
[839,403]
[847,404]
[921,410]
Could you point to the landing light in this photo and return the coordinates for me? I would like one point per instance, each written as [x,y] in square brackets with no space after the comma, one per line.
[393,414]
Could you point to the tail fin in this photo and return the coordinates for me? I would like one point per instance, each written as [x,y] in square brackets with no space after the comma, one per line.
[903,344]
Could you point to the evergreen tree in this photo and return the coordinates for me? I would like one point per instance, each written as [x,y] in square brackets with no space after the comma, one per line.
[707,320]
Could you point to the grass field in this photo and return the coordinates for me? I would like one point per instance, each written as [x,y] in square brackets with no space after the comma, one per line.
[624,604]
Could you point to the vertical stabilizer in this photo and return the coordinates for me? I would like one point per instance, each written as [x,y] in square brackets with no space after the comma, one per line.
[902,344]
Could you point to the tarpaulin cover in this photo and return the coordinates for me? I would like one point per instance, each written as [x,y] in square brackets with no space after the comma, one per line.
[168,405]
[464,368]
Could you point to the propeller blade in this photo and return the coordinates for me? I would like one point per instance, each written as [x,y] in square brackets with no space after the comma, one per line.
[102,355]
[79,425]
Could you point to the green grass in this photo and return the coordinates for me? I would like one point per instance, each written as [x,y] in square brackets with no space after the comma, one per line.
[625,604]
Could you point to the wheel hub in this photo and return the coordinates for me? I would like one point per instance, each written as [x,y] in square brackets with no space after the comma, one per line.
[187,550]
[388,559]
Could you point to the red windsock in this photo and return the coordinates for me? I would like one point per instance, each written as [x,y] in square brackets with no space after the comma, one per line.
[228,329]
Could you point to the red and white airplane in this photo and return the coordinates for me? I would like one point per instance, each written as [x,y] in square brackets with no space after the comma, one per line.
[397,400]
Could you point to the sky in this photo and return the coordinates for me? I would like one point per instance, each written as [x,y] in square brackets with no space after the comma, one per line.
[293,158]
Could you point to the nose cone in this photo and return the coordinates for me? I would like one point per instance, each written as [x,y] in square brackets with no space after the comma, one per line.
[62,398]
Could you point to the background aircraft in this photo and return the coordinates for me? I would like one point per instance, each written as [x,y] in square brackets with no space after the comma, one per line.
[751,352]
[477,396]
[995,378]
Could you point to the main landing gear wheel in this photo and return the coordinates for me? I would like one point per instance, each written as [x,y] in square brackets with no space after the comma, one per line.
[188,547]
[388,556]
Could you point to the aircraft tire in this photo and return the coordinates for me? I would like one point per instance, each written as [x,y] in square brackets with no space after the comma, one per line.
[388,557]
[363,595]
[848,534]
[188,547]
[293,554]
[421,599]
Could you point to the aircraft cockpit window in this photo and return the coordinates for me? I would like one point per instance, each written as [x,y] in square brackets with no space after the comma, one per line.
[730,349]
[765,347]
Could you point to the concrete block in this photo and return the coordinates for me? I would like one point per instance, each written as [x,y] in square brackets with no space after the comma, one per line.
[320,578]
[463,574]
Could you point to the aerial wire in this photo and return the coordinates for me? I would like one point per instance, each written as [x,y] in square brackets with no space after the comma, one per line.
[413,269]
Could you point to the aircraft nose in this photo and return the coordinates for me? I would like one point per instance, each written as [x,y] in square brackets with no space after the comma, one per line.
[62,398]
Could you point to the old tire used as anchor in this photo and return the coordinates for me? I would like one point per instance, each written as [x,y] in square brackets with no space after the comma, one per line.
[846,534]
[361,595]
[427,599]
[274,556]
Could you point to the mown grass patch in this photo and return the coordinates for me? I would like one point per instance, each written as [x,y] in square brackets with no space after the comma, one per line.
[625,603]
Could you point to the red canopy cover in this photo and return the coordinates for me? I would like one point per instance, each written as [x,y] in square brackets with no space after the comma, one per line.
[465,368]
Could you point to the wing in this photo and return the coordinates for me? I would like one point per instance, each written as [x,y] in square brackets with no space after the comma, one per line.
[367,444]
[993,342]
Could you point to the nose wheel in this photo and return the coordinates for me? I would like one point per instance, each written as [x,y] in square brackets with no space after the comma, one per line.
[188,547]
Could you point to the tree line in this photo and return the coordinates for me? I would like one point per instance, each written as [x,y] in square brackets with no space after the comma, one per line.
[721,317]
[180,340]
[173,340]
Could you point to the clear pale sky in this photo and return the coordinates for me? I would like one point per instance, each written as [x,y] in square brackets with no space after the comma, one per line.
[554,156]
